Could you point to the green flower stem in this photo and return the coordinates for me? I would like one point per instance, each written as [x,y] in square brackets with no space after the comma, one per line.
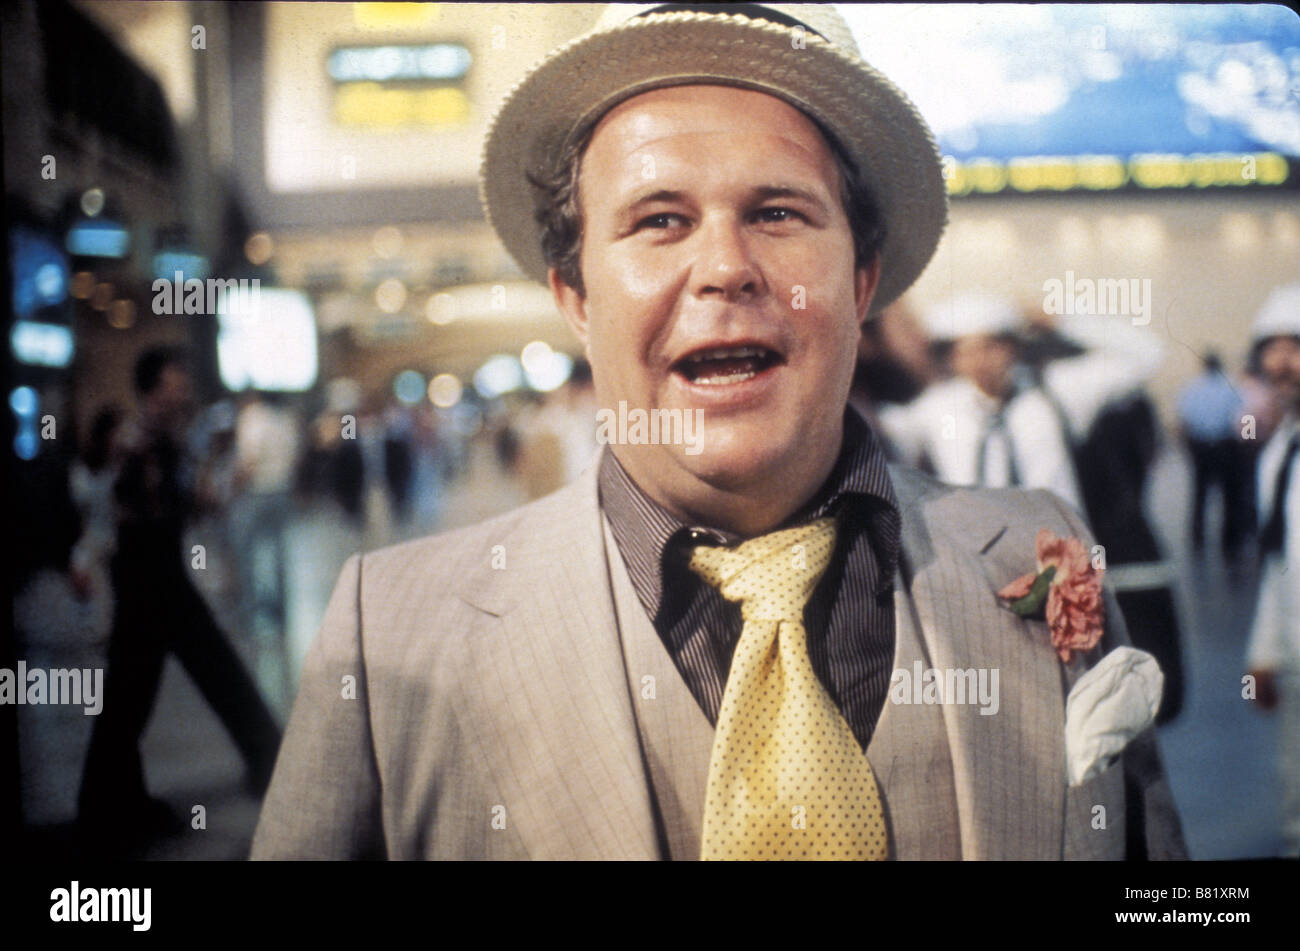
[1031,602]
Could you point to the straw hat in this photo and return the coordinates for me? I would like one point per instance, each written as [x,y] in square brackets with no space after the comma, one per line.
[802,53]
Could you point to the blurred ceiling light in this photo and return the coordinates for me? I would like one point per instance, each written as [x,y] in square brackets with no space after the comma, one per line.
[258,248]
[1146,234]
[102,295]
[390,295]
[121,314]
[445,390]
[408,387]
[342,394]
[1286,229]
[92,201]
[998,233]
[549,373]
[1072,234]
[441,309]
[387,242]
[499,374]
[1240,231]
[536,355]
[83,283]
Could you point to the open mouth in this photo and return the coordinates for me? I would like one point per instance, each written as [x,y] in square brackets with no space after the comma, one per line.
[720,366]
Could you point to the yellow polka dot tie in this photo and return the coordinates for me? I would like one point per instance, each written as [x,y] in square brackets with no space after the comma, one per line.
[787,777]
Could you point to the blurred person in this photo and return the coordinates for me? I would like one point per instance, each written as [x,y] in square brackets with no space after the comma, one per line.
[399,458]
[46,524]
[992,422]
[1209,420]
[217,486]
[91,480]
[158,611]
[1054,403]
[266,457]
[778,573]
[1273,653]
[894,367]
[1261,409]
[558,437]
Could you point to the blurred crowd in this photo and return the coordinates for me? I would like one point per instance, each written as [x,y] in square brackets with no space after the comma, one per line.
[976,390]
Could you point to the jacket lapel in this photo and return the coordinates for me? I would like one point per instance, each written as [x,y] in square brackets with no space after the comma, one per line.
[1008,767]
[574,769]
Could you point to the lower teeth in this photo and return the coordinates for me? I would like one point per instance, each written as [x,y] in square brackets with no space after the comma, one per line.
[729,378]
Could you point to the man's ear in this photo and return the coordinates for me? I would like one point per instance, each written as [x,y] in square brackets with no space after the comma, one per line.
[865,281]
[570,303]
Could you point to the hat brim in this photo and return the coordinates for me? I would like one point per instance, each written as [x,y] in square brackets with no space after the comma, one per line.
[878,126]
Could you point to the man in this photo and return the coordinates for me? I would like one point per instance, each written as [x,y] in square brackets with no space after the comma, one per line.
[1273,656]
[986,425]
[159,610]
[1209,417]
[592,676]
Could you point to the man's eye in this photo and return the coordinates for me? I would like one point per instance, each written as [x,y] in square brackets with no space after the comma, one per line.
[778,214]
[662,220]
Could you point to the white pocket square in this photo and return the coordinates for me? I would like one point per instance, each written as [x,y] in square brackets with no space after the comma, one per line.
[1108,706]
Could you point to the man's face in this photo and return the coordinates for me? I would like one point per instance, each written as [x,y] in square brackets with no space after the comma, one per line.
[986,361]
[1280,362]
[719,272]
[170,401]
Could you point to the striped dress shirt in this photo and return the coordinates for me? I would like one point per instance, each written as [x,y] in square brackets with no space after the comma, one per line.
[850,617]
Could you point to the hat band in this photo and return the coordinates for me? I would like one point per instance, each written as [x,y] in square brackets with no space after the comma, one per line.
[753,11]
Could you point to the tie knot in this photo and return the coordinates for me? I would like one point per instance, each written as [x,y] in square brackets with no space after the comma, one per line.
[773,575]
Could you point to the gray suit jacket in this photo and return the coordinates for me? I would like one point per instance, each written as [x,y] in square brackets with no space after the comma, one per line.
[467,697]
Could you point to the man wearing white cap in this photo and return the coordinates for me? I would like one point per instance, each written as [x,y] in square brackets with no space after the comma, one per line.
[687,652]
[1273,656]
[983,426]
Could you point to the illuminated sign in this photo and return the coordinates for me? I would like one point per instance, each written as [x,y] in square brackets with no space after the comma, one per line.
[986,176]
[386,86]
[434,62]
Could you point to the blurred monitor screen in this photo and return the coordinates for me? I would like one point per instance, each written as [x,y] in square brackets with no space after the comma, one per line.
[267,340]
[98,239]
[191,266]
[42,345]
[39,270]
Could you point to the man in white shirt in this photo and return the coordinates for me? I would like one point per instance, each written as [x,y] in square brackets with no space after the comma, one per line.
[1273,657]
[981,428]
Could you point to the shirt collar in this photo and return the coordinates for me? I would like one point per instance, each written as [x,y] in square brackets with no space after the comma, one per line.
[647,533]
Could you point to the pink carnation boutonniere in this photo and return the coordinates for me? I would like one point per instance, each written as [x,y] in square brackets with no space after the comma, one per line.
[1070,586]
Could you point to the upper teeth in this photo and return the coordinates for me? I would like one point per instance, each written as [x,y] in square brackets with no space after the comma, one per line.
[727,353]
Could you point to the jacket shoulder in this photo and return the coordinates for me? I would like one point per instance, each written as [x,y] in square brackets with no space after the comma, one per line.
[447,559]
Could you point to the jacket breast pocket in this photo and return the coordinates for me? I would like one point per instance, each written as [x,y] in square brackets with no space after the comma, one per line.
[1095,816]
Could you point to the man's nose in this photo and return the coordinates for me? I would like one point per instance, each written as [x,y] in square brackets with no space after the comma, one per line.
[725,266]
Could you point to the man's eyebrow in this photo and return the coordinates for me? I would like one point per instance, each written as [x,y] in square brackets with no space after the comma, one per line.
[662,194]
[764,192]
[761,193]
